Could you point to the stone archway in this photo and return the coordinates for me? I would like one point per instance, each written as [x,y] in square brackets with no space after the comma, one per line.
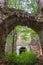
[17,17]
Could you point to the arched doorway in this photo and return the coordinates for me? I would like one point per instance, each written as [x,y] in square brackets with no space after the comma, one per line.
[22,49]
[14,20]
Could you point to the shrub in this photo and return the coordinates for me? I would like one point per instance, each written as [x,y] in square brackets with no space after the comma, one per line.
[10,58]
[26,58]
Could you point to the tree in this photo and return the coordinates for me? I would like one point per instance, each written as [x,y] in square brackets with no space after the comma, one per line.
[14,36]
[40,5]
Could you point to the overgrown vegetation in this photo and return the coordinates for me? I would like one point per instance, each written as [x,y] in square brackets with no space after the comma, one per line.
[25,30]
[26,58]
[29,6]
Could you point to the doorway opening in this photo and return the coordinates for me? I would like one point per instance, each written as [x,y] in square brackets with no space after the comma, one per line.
[22,49]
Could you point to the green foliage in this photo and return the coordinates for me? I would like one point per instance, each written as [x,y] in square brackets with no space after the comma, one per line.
[22,29]
[24,37]
[34,6]
[26,31]
[26,58]
[10,57]
[9,39]
[27,5]
[19,29]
